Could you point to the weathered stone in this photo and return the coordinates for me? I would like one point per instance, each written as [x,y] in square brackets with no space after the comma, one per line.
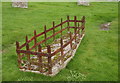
[20,3]
[105,26]
[112,0]
[83,2]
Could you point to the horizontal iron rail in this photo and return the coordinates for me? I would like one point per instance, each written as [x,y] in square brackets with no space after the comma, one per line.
[75,21]
[47,38]
[48,31]
[32,53]
[58,50]
[46,54]
[42,34]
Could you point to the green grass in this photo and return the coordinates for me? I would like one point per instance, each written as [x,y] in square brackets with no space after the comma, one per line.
[95,60]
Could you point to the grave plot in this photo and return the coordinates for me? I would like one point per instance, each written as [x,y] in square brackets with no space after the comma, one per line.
[37,56]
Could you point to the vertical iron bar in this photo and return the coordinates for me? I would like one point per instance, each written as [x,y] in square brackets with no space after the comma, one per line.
[79,29]
[19,57]
[61,27]
[68,23]
[49,60]
[28,55]
[53,30]
[45,33]
[35,39]
[40,59]
[83,22]
[83,25]
[75,27]
[70,40]
[62,58]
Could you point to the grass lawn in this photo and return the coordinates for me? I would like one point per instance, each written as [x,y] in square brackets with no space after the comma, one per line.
[96,58]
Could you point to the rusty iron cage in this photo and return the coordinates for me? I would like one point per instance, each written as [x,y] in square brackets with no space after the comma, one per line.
[48,60]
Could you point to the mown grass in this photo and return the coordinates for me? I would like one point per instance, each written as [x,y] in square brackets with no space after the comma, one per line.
[95,60]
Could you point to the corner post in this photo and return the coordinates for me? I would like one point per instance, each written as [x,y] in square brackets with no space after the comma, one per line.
[19,57]
[83,26]
[28,55]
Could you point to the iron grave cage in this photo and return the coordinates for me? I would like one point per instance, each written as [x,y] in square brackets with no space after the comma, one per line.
[37,56]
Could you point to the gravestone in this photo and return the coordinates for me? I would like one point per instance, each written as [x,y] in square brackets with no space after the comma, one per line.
[83,2]
[113,0]
[20,3]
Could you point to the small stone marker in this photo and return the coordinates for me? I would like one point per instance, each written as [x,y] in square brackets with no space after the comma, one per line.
[20,3]
[83,2]
[105,26]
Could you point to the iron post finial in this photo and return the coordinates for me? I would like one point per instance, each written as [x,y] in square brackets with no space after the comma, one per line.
[17,44]
[44,27]
[34,31]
